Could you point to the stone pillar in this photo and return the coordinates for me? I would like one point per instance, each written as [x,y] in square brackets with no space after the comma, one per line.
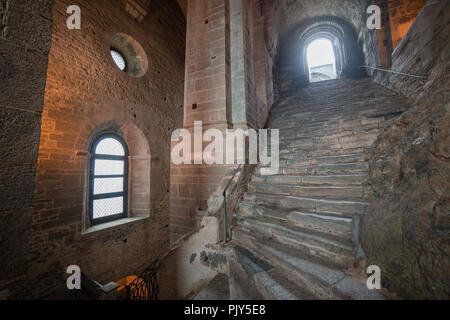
[207,94]
[207,99]
[243,88]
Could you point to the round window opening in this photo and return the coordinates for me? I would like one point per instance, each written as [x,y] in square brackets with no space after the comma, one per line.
[128,55]
[119,59]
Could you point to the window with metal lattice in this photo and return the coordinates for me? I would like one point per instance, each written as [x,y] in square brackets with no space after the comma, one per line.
[108,179]
[119,59]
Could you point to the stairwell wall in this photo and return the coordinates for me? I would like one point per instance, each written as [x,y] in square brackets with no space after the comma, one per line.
[407,226]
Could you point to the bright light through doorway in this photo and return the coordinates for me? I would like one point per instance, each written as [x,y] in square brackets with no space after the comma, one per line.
[321,60]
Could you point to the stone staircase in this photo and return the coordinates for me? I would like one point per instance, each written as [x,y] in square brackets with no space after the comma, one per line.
[296,235]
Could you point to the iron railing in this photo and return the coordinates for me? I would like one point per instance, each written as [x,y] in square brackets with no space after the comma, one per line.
[145,286]
[90,289]
[225,225]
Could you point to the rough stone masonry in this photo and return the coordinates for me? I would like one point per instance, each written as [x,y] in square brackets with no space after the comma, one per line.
[365,161]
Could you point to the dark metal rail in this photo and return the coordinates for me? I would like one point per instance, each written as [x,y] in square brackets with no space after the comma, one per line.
[225,226]
[145,286]
[395,72]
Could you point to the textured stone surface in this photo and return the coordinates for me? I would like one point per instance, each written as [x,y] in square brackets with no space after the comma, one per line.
[406,229]
[304,220]
[228,86]
[217,289]
[85,90]
[25,38]
[234,50]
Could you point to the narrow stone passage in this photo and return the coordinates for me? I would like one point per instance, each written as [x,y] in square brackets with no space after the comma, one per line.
[302,224]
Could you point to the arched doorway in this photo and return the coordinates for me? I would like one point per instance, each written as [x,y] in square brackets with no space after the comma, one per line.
[291,66]
[321,60]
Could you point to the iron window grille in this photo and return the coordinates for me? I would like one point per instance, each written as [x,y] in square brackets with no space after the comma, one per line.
[108,180]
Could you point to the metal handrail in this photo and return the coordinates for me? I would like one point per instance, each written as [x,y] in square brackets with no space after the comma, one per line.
[395,72]
[145,286]
[225,227]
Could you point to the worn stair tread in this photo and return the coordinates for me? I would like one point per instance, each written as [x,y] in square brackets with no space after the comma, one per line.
[338,166]
[275,286]
[313,180]
[339,169]
[249,262]
[286,214]
[328,247]
[323,192]
[314,205]
[294,263]
[271,283]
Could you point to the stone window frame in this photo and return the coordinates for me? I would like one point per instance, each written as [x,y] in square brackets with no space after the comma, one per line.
[124,193]
[139,174]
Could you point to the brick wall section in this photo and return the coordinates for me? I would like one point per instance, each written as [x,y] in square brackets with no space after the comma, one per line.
[84,90]
[243,83]
[25,39]
[207,63]
[207,85]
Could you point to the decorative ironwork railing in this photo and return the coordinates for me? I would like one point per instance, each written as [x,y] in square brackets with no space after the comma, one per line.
[90,289]
[145,286]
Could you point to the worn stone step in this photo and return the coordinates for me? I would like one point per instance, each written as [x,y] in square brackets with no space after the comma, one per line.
[342,208]
[378,117]
[323,192]
[336,226]
[337,250]
[328,180]
[346,168]
[297,134]
[364,109]
[353,141]
[337,152]
[302,102]
[322,280]
[271,283]
[217,289]
[327,160]
[317,277]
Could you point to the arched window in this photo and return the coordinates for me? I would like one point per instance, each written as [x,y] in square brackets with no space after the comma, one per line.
[108,179]
[321,60]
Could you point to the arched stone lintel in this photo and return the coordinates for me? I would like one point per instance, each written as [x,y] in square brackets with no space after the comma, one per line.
[291,60]
[140,167]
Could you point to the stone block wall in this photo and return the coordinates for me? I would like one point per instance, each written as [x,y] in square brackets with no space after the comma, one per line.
[223,50]
[25,40]
[263,66]
[407,226]
[85,92]
[207,99]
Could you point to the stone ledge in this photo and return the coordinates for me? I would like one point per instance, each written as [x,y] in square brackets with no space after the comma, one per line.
[110,225]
